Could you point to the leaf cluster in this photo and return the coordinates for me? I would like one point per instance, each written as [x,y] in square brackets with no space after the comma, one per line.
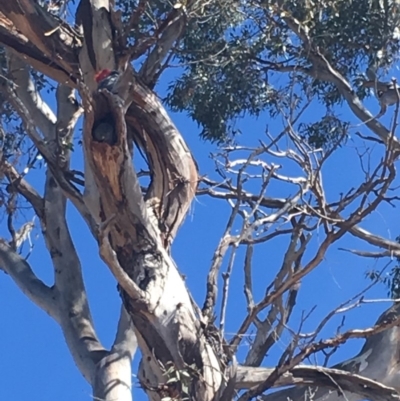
[231,50]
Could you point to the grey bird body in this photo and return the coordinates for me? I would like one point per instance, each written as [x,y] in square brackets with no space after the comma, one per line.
[104,131]
[386,92]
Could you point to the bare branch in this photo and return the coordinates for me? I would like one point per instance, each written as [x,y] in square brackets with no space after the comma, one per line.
[20,271]
[75,318]
[374,239]
[226,278]
[125,340]
[231,193]
[171,31]
[375,255]
[386,325]
[39,111]
[318,377]
[19,184]
[174,170]
[68,189]
[267,334]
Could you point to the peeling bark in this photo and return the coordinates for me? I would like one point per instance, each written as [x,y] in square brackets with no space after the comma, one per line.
[40,39]
[135,231]
[173,169]
[156,299]
[140,229]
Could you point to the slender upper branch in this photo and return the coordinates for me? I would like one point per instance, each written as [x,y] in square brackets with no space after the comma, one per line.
[40,111]
[174,27]
[323,70]
[374,239]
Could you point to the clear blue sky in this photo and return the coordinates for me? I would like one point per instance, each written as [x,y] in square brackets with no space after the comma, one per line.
[35,363]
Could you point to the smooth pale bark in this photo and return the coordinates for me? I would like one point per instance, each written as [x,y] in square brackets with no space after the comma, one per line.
[154,293]
[113,377]
[378,360]
[131,240]
[102,368]
[22,274]
[134,232]
[333,384]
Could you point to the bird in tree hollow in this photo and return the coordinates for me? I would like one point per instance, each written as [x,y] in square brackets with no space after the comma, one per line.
[107,79]
[104,130]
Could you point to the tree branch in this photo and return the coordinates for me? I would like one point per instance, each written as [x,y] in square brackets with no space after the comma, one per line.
[76,319]
[20,271]
[321,69]
[94,16]
[315,376]
[39,110]
[342,382]
[50,155]
[377,360]
[173,29]
[374,239]
[49,44]
[24,188]
[114,373]
[174,170]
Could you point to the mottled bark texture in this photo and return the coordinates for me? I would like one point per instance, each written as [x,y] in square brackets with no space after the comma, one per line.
[134,230]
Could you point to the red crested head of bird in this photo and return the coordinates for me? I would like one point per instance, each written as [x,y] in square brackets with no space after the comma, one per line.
[102,74]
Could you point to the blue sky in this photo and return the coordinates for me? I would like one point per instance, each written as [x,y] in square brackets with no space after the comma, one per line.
[35,363]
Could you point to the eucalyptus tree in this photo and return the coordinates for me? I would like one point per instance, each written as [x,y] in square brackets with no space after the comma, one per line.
[235,58]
